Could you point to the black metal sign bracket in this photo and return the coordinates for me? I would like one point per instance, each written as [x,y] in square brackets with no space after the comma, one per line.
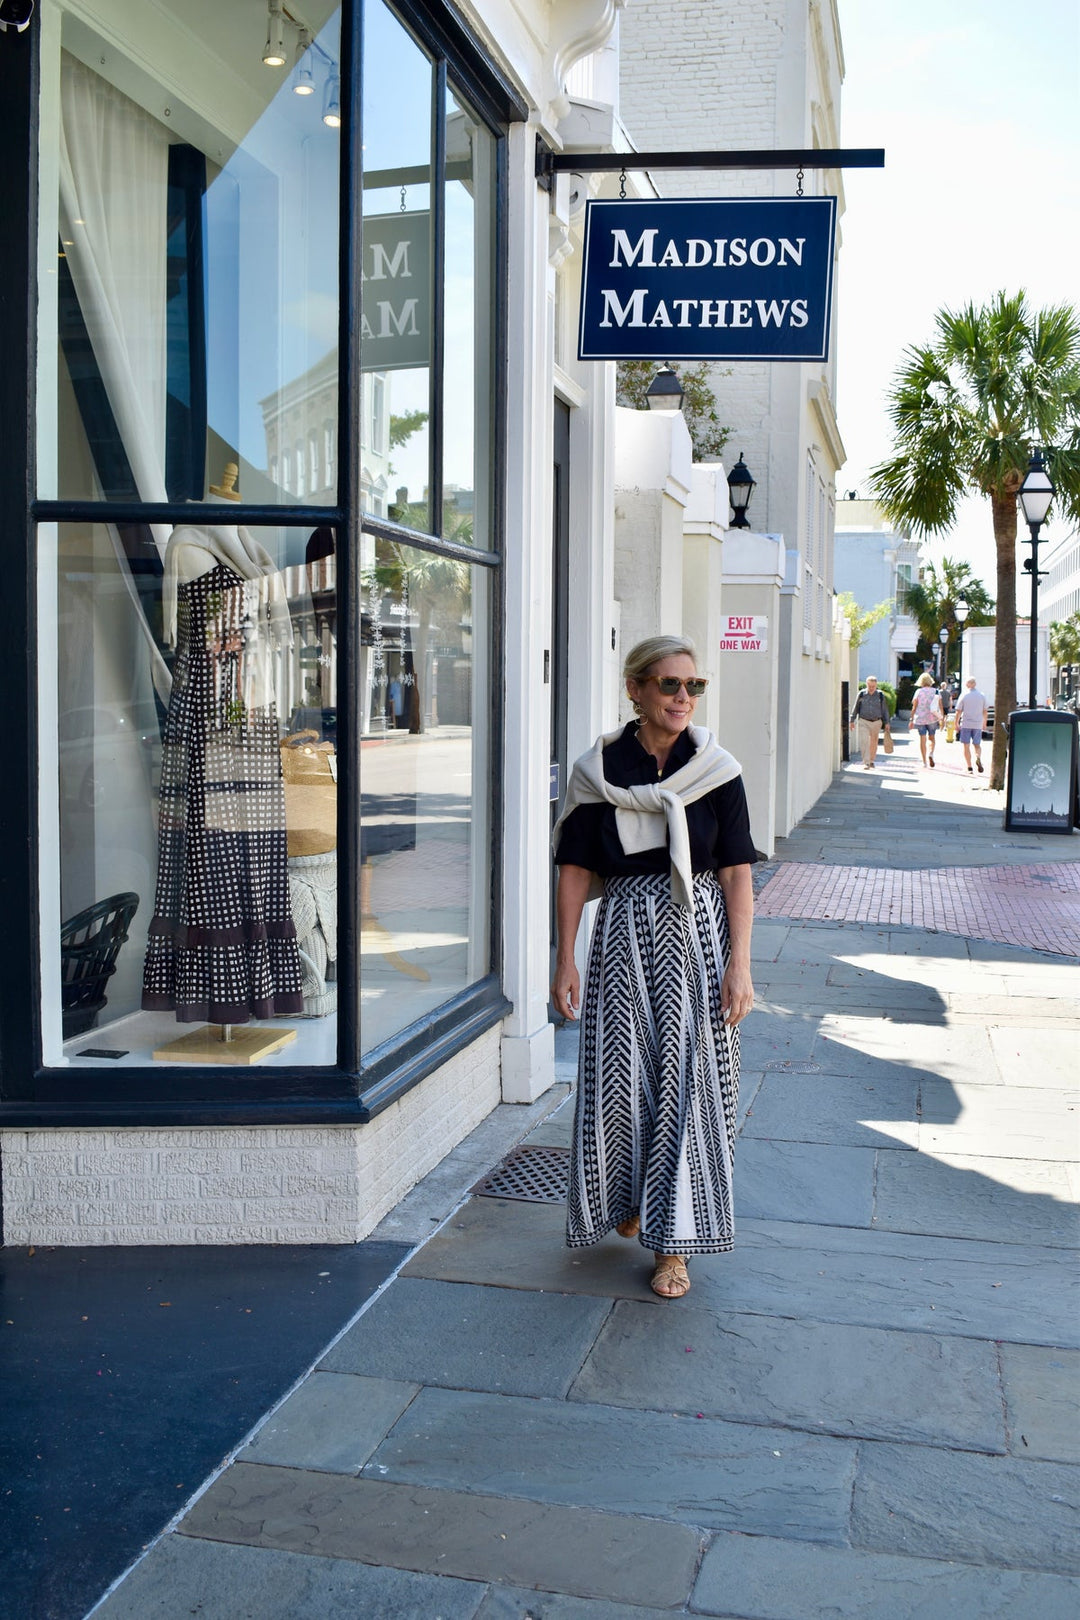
[549,163]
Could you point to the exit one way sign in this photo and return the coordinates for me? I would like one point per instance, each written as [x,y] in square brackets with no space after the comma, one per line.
[744,633]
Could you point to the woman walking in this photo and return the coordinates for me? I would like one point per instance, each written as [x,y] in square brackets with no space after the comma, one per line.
[926,715]
[655,819]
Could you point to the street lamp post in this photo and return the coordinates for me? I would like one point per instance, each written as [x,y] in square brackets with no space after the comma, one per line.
[1036,493]
[741,486]
[944,634]
[935,648]
[960,613]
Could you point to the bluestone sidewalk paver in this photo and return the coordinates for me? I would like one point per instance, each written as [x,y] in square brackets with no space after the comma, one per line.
[479,1536]
[935,1503]
[331,1422]
[1007,1200]
[806,1181]
[824,1377]
[691,1470]
[865,1412]
[763,1578]
[212,1580]
[866,1112]
[1041,1385]
[515,1603]
[505,1340]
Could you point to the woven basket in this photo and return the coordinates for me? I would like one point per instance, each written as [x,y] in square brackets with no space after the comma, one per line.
[310,794]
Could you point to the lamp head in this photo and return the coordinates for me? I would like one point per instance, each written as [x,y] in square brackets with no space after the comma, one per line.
[741,485]
[665,392]
[1036,492]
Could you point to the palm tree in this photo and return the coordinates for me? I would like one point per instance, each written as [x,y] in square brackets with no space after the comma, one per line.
[931,602]
[1065,646]
[968,409]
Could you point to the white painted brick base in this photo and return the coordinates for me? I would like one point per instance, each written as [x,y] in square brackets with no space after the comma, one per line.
[279,1184]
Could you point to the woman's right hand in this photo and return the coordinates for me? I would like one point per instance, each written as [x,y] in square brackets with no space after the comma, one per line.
[566,990]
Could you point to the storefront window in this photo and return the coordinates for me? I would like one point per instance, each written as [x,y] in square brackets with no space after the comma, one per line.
[194,285]
[192,848]
[193,671]
[425,826]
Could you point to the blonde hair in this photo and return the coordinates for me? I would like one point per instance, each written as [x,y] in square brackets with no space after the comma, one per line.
[925,679]
[640,659]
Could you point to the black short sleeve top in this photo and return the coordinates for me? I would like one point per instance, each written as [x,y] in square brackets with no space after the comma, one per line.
[718,823]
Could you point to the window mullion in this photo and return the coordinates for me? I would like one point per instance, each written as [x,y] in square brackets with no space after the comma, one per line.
[438,294]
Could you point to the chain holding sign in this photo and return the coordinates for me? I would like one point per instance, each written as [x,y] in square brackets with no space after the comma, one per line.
[745,278]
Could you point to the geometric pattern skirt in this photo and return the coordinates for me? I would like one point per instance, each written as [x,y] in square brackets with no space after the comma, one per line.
[658,1072]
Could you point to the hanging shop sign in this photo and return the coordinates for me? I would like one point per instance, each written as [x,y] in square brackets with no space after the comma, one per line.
[395,320]
[746,278]
[744,632]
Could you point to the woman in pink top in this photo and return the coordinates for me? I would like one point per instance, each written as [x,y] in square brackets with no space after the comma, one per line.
[926,715]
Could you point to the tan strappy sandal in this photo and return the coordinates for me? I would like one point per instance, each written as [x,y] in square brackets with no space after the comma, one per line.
[629,1228]
[671,1271]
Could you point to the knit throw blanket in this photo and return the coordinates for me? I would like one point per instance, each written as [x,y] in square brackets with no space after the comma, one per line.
[644,814]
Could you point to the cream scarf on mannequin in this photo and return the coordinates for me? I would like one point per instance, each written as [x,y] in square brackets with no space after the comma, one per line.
[643,814]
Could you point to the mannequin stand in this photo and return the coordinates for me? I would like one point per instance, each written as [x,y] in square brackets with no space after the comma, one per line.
[225,1043]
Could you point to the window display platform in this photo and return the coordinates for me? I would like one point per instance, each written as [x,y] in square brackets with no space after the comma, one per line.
[139,1038]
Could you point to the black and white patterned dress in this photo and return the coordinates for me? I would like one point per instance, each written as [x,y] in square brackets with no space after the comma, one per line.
[222,943]
[658,1067]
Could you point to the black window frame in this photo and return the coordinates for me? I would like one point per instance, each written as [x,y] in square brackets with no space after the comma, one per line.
[353,1090]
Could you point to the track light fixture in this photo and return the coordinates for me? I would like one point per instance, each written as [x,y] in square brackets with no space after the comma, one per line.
[274,49]
[332,102]
[304,83]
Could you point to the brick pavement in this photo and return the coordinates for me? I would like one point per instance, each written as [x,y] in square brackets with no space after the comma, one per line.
[1033,906]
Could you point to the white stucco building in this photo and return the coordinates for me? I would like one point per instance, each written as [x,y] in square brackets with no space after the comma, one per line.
[498,597]
[876,563]
[762,74]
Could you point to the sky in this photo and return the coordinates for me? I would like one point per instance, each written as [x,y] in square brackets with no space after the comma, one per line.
[976,104]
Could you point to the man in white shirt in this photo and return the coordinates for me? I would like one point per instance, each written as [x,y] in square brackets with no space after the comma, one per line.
[971,711]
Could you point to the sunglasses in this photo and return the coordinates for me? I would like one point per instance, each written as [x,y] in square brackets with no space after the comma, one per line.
[670,684]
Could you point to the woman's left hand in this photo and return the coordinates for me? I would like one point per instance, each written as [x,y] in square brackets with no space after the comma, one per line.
[736,994]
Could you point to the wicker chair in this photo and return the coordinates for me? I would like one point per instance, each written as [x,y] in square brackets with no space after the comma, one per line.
[89,945]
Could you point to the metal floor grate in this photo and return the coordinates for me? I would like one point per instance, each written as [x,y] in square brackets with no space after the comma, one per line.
[534,1175]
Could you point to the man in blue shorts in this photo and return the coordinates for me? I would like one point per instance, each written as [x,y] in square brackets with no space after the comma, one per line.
[971,714]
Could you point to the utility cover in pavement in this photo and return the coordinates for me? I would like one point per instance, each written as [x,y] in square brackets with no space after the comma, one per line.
[533,1175]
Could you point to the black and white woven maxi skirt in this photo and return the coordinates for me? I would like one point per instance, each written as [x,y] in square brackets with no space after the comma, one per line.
[658,1072]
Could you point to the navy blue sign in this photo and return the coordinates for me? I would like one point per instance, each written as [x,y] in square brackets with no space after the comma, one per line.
[708,279]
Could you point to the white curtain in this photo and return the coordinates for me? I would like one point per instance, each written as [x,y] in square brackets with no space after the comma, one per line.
[113,202]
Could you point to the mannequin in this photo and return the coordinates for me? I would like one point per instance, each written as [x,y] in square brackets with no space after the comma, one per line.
[222,944]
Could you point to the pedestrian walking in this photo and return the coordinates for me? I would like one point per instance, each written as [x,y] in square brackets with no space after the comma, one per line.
[656,821]
[871,710]
[926,715]
[971,716]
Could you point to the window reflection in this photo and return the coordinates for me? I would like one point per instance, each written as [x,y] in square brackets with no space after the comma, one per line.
[468,370]
[397,289]
[195,290]
[424,828]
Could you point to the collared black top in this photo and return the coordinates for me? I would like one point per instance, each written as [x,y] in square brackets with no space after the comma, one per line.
[718,823]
